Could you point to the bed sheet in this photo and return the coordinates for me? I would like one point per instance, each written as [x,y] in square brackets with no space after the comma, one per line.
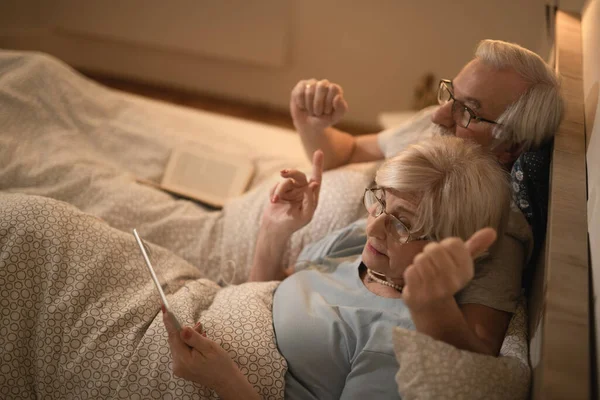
[67,138]
[71,139]
[268,147]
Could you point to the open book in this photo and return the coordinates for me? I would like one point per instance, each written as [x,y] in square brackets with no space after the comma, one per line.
[205,176]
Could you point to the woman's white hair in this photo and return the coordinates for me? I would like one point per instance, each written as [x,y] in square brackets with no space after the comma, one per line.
[461,187]
[534,117]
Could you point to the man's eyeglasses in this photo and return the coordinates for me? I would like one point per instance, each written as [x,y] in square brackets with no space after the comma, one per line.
[461,114]
[374,201]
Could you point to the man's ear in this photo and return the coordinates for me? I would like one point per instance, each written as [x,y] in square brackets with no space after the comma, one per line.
[510,154]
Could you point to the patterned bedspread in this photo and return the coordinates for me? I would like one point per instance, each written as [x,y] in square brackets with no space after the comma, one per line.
[68,138]
[79,315]
[81,318]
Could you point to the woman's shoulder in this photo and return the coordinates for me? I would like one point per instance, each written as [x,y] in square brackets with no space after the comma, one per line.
[343,243]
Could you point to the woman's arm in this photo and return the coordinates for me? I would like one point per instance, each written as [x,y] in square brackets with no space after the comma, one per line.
[435,276]
[292,205]
[267,263]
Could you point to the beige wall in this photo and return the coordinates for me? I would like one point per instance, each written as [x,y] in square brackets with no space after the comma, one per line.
[376,49]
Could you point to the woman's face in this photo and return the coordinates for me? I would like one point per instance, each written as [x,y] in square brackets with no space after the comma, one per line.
[384,252]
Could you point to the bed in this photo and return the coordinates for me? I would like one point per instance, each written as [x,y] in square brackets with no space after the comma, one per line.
[82,145]
[71,152]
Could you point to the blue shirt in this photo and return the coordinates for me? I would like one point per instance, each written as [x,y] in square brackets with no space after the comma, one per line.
[336,335]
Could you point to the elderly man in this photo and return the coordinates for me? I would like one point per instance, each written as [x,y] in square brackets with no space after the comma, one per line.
[507,99]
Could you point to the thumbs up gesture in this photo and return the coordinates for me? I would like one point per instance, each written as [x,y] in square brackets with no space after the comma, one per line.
[443,268]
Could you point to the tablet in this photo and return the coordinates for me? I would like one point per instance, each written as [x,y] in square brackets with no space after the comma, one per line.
[155,279]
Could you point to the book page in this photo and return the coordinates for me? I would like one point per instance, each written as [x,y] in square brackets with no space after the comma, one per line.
[201,174]
[205,176]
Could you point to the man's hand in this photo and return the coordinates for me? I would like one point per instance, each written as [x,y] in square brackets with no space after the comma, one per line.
[442,269]
[316,105]
[294,200]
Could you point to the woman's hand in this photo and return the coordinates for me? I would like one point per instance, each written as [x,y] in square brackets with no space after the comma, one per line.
[199,359]
[442,269]
[316,105]
[294,200]
[292,205]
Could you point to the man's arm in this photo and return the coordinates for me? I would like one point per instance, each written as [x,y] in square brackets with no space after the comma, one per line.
[435,276]
[341,148]
[317,106]
[472,327]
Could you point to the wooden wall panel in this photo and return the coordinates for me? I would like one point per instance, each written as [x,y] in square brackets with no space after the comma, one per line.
[561,340]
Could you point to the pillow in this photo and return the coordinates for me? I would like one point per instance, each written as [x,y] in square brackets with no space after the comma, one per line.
[340,204]
[431,369]
[530,181]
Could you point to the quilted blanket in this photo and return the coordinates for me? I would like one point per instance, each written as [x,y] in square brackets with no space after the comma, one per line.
[68,138]
[79,310]
[81,318]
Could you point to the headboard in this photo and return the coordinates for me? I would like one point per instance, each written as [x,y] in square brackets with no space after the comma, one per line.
[559,317]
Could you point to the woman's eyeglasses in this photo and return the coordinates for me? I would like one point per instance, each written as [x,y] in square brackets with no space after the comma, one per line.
[374,201]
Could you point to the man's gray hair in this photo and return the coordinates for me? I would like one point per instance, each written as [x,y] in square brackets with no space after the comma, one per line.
[534,117]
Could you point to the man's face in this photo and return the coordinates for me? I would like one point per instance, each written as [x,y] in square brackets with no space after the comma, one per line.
[487,92]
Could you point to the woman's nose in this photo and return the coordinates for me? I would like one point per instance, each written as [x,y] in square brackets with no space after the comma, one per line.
[443,116]
[376,226]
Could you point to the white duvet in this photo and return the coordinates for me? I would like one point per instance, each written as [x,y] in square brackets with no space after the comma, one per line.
[68,138]
[84,317]
[99,334]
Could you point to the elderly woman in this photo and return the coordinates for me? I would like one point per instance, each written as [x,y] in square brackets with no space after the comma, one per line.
[429,216]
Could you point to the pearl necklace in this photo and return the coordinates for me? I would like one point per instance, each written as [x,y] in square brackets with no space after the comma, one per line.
[384,282]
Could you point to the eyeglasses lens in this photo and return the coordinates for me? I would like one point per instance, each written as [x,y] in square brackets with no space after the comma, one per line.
[461,114]
[373,206]
[444,95]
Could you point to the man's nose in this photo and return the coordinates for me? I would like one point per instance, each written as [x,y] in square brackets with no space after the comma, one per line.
[443,116]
